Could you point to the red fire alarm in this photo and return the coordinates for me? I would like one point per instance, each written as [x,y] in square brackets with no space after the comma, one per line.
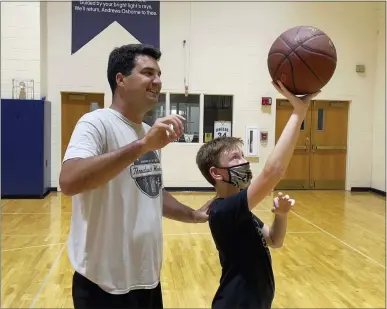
[266,101]
[264,136]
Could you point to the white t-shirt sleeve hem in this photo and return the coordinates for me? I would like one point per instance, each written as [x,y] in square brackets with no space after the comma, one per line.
[87,140]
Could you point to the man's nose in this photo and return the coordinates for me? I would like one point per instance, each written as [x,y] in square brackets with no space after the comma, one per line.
[157,80]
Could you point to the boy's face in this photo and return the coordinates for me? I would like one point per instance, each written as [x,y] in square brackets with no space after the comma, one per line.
[227,159]
[232,157]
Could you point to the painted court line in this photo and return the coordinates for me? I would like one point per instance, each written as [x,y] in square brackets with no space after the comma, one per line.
[165,234]
[29,247]
[338,239]
[33,213]
[47,277]
[207,233]
[309,232]
[185,234]
[31,235]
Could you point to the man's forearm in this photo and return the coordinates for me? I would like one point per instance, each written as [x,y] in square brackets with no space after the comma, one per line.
[278,230]
[173,209]
[79,175]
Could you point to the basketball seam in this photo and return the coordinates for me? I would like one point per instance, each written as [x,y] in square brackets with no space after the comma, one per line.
[294,50]
[286,56]
[280,37]
[292,69]
[318,52]
[298,33]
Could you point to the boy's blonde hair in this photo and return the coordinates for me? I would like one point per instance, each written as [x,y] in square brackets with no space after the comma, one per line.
[210,153]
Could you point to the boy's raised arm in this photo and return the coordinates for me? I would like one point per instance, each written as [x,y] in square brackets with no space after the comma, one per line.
[279,159]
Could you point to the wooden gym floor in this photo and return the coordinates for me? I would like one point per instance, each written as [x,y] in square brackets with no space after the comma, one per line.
[334,254]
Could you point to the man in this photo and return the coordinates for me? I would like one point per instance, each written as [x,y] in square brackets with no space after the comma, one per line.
[242,238]
[112,170]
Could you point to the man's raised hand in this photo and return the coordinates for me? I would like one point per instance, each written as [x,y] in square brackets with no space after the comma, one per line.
[164,131]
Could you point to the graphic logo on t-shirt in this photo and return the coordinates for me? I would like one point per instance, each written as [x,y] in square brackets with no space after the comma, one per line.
[259,230]
[146,172]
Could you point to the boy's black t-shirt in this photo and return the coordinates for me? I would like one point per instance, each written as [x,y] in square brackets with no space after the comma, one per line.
[247,279]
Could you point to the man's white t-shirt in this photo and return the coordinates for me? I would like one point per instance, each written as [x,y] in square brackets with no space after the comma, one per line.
[115,235]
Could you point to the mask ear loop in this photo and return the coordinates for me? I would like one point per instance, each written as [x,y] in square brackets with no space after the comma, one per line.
[229,173]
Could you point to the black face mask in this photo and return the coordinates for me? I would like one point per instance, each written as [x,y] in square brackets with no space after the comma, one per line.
[239,175]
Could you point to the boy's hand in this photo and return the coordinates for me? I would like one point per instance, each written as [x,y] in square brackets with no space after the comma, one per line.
[300,104]
[282,204]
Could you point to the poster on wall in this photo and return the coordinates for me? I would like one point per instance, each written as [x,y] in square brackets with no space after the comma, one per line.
[140,18]
[207,137]
[222,128]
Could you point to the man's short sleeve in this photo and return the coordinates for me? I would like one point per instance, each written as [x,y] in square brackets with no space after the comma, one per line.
[87,139]
[232,210]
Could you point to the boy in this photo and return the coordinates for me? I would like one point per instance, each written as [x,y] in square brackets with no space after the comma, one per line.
[241,238]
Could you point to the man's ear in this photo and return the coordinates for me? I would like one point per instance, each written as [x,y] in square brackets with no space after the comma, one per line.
[215,174]
[120,78]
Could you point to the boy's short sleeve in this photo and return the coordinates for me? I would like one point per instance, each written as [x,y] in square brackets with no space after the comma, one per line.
[87,139]
[258,221]
[232,210]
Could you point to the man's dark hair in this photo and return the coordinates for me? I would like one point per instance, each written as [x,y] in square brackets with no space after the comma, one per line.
[123,60]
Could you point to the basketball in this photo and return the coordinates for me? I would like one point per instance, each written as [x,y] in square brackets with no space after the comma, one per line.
[303,58]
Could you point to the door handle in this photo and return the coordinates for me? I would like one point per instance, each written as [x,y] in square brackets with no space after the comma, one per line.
[316,147]
[306,147]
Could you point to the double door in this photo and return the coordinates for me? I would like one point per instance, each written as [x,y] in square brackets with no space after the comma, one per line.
[319,159]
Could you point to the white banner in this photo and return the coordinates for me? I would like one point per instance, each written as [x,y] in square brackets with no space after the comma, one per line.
[222,128]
